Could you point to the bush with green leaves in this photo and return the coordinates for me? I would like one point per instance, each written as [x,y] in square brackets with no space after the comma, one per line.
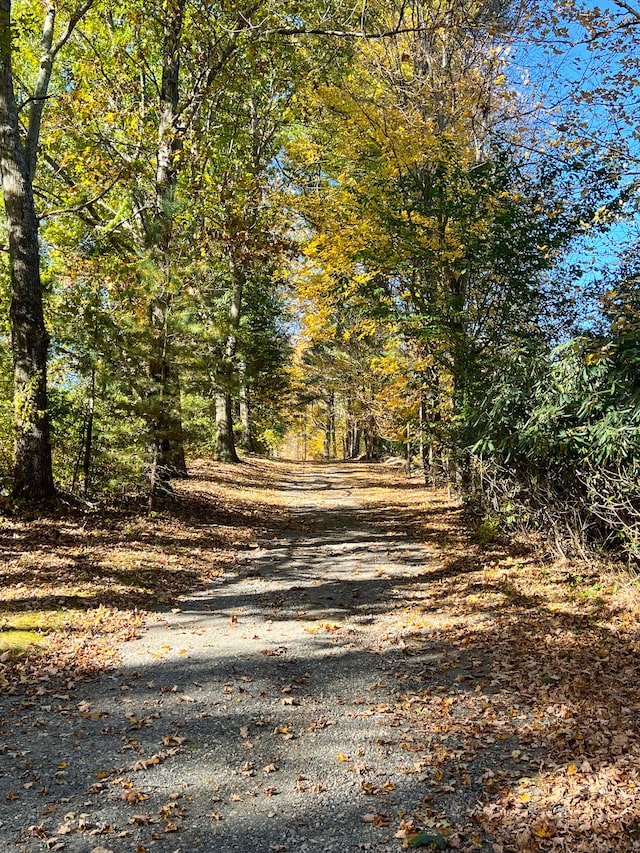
[557,440]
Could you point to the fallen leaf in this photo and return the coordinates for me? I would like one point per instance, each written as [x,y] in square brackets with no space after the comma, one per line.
[173,740]
[377,819]
[38,830]
[543,829]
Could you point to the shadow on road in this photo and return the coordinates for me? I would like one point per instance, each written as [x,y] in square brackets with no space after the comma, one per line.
[433,689]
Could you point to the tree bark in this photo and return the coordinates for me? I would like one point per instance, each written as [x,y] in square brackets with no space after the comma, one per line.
[165,420]
[165,423]
[245,412]
[88,444]
[326,451]
[330,428]
[177,460]
[225,443]
[369,443]
[354,436]
[33,475]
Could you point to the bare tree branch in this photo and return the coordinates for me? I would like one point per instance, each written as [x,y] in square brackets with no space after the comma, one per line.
[86,205]
[353,34]
[41,88]
[628,8]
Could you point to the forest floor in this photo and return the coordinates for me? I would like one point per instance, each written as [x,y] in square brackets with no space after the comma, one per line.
[319,658]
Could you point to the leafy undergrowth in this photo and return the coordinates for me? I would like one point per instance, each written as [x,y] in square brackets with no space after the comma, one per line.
[72,586]
[527,734]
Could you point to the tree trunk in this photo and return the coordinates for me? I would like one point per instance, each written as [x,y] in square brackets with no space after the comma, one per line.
[370,431]
[165,424]
[33,475]
[408,448]
[422,414]
[166,428]
[88,443]
[354,437]
[159,404]
[167,444]
[332,426]
[245,412]
[354,433]
[176,461]
[327,432]
[330,450]
[225,444]
[369,445]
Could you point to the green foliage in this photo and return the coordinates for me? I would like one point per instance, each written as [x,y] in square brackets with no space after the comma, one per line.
[377,177]
[6,444]
[558,438]
[488,530]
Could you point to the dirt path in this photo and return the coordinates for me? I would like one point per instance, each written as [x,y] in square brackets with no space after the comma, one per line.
[333,693]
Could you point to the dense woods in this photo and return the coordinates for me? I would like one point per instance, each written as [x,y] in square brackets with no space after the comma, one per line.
[332,230]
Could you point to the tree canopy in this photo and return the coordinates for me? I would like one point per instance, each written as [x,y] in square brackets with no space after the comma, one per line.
[355,230]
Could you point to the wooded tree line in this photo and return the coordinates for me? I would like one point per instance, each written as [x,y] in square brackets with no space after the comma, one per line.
[368,226]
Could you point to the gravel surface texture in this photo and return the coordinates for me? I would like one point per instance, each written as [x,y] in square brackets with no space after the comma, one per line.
[257,716]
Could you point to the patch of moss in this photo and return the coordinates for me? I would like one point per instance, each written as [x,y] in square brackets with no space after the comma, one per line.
[21,632]
[17,641]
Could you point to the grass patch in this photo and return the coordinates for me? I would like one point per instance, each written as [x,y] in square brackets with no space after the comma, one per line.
[17,642]
[22,632]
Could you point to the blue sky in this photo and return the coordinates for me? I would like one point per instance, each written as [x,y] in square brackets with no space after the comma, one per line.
[558,79]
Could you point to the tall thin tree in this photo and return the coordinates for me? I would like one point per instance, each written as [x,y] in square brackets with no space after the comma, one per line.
[33,476]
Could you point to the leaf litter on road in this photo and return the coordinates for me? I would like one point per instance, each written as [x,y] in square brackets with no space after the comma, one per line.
[502,687]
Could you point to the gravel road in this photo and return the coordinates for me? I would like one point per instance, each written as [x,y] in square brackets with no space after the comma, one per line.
[258,716]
